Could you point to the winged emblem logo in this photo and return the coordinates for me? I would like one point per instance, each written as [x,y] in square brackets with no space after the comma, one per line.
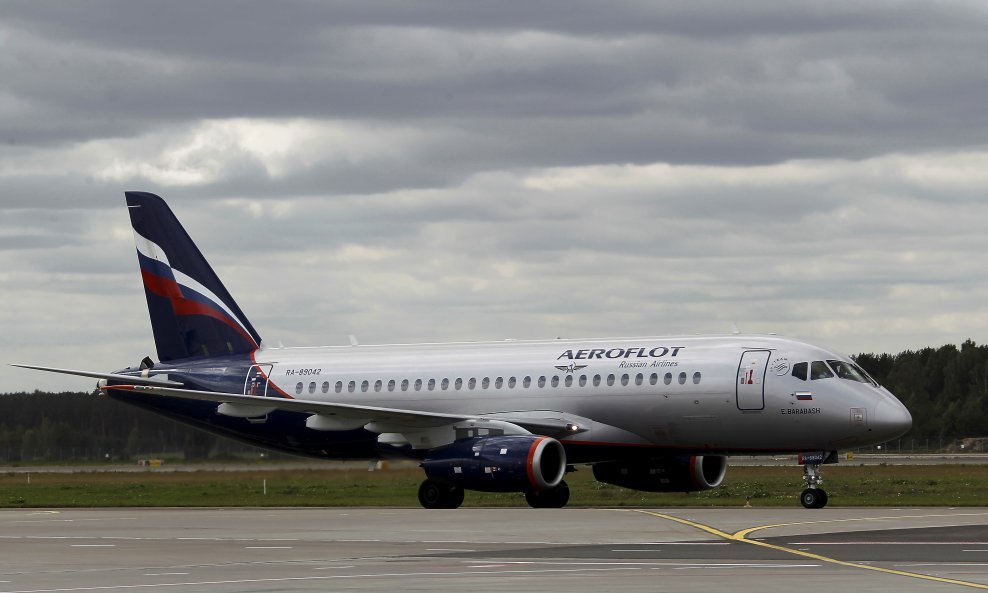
[570,368]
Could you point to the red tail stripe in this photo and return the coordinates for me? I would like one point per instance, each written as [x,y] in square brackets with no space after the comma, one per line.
[170,289]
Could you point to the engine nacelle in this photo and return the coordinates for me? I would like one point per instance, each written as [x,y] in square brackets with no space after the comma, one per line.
[668,474]
[509,463]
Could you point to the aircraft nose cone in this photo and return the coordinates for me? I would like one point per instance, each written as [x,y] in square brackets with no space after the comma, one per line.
[891,419]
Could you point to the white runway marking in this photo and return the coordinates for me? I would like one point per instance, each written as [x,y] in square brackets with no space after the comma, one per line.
[268,547]
[315,578]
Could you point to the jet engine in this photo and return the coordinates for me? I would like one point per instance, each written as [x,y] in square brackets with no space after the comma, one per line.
[508,463]
[668,474]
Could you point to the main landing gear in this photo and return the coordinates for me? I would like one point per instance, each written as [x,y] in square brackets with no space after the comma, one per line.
[555,498]
[814,497]
[434,494]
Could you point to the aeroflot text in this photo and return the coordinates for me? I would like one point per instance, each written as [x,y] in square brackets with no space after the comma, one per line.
[657,352]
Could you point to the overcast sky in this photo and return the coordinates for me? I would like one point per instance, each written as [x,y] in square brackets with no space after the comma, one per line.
[445,171]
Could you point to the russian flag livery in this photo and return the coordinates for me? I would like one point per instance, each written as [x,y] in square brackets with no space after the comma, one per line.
[192,314]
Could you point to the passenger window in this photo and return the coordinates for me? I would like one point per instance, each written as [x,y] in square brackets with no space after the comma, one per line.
[472,383]
[682,378]
[624,379]
[820,370]
[799,370]
[418,384]
[498,382]
[404,384]
[377,385]
[569,380]
[596,380]
[583,380]
[511,382]
[312,387]
[339,387]
[298,389]
[445,384]
[542,381]
[696,378]
[555,380]
[325,386]
[639,379]
[391,385]
[486,382]
[458,384]
[365,385]
[653,379]
[351,386]
[610,380]
[667,379]
[527,382]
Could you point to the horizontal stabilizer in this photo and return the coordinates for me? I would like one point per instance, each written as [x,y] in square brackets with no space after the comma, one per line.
[108,376]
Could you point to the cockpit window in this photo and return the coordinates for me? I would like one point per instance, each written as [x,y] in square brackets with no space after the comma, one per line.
[820,370]
[799,370]
[851,371]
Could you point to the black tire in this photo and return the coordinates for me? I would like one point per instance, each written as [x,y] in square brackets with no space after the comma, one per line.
[813,498]
[549,499]
[454,498]
[440,495]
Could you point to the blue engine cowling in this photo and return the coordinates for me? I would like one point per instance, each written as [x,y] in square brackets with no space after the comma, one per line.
[686,473]
[513,463]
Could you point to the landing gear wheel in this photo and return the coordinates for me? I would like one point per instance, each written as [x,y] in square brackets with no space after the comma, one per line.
[813,498]
[549,499]
[434,494]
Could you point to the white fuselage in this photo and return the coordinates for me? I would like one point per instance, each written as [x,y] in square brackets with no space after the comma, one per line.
[688,393]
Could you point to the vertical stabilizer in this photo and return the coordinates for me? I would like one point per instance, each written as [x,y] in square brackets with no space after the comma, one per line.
[192,314]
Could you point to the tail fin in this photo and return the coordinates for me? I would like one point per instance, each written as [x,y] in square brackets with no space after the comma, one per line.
[192,314]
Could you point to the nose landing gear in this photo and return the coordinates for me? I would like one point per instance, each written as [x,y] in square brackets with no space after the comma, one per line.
[814,497]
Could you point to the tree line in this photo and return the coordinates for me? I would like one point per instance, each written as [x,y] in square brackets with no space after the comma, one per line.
[69,426]
[945,389]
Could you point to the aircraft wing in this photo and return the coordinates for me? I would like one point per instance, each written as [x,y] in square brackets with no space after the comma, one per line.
[535,422]
[348,411]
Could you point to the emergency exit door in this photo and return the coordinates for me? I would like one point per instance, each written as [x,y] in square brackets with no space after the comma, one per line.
[751,380]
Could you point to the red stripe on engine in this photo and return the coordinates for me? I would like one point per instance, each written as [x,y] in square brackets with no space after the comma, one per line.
[530,466]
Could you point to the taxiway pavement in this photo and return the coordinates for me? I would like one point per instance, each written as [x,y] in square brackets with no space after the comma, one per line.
[503,550]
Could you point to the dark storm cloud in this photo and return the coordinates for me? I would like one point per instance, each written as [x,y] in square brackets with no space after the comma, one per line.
[436,171]
[759,83]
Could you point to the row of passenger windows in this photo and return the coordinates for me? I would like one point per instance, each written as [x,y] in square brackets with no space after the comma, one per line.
[498,383]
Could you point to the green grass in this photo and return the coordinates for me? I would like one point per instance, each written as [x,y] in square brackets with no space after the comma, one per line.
[847,485]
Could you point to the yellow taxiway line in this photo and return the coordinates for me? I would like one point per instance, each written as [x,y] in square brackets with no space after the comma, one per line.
[742,536]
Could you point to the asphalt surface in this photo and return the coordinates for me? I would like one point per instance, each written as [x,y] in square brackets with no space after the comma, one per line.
[571,550]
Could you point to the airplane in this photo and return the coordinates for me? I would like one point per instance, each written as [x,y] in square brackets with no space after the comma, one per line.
[656,414]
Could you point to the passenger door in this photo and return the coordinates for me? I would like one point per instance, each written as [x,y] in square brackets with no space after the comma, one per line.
[751,380]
